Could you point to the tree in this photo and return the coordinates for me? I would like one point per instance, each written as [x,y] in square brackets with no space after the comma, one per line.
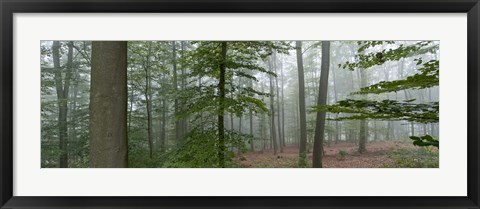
[62,84]
[301,103]
[363,134]
[221,65]
[221,101]
[148,97]
[272,111]
[108,105]
[322,100]
[427,76]
[279,122]
[178,124]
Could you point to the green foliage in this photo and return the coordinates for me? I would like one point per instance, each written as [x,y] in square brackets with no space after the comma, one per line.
[199,150]
[366,60]
[374,53]
[425,141]
[302,160]
[384,110]
[428,77]
[50,155]
[421,157]
[78,113]
[243,61]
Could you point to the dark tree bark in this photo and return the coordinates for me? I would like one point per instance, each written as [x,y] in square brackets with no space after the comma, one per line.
[62,86]
[164,101]
[183,121]
[301,104]
[322,100]
[221,99]
[252,146]
[148,98]
[178,124]
[108,105]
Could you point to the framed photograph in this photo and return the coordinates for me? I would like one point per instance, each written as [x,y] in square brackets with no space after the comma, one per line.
[239,104]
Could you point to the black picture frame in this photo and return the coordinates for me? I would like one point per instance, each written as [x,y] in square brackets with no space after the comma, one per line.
[9,7]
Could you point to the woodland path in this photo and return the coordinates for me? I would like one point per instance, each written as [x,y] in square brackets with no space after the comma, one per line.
[375,157]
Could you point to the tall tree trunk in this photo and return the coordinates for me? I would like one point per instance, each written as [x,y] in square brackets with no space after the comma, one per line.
[432,126]
[62,87]
[263,124]
[283,108]
[272,109]
[301,104]
[221,99]
[178,125]
[297,123]
[130,108]
[73,109]
[252,146]
[163,134]
[363,137]
[278,103]
[401,67]
[335,96]
[322,100]
[183,121]
[148,98]
[108,105]
[389,123]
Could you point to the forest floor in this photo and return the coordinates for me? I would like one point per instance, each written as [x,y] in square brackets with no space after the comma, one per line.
[340,155]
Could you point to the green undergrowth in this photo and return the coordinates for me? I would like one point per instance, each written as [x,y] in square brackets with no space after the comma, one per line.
[418,157]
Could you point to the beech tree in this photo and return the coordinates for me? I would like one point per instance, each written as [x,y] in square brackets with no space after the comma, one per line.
[322,100]
[108,105]
[301,104]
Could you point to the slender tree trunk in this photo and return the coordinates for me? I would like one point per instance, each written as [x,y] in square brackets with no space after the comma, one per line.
[389,123]
[163,134]
[73,110]
[148,98]
[322,100]
[297,123]
[337,128]
[363,137]
[263,124]
[252,146]
[183,121]
[363,134]
[62,87]
[432,126]
[301,104]
[272,109]
[130,109]
[221,99]
[283,108]
[108,105]
[231,119]
[178,125]
[278,103]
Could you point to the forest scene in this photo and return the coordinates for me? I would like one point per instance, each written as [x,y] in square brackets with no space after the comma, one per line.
[239,104]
